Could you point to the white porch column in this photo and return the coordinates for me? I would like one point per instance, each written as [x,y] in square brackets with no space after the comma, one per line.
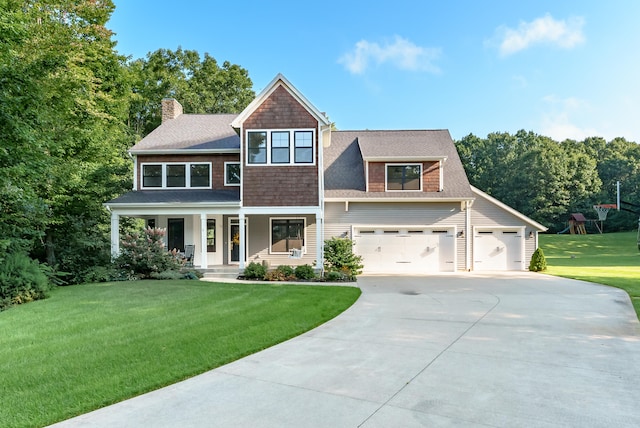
[320,241]
[115,234]
[243,237]
[203,241]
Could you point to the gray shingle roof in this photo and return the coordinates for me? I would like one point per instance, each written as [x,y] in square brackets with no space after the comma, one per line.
[344,164]
[177,196]
[192,131]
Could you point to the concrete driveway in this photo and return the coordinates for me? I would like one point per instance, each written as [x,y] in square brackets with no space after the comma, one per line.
[472,350]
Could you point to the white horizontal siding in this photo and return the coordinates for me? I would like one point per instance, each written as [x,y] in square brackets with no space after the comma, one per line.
[339,221]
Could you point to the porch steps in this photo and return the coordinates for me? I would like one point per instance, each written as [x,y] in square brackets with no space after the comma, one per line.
[229,272]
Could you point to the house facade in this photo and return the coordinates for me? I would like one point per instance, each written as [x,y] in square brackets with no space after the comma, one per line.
[272,183]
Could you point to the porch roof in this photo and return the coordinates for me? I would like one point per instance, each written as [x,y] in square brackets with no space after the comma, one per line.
[155,197]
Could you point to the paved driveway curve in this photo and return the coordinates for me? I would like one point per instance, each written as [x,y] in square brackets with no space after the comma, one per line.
[472,350]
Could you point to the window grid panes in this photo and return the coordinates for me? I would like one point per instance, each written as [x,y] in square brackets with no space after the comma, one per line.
[403,177]
[200,175]
[303,142]
[287,234]
[257,152]
[176,176]
[152,176]
[211,235]
[280,147]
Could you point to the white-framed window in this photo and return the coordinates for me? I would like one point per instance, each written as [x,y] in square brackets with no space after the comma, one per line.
[403,177]
[280,147]
[232,173]
[286,234]
[178,175]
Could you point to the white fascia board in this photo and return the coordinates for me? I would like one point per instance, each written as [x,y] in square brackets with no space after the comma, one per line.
[510,210]
[268,90]
[171,210]
[397,200]
[391,159]
[183,151]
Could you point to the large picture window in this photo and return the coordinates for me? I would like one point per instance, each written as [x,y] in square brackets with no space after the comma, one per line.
[176,175]
[404,177]
[281,147]
[287,234]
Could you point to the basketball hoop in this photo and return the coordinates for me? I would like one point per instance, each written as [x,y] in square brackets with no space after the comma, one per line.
[603,210]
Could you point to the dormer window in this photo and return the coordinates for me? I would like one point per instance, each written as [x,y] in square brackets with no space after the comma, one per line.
[404,177]
[176,175]
[280,147]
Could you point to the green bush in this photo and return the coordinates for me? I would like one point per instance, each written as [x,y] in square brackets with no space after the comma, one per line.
[339,257]
[142,255]
[21,280]
[304,272]
[286,271]
[538,261]
[335,276]
[255,271]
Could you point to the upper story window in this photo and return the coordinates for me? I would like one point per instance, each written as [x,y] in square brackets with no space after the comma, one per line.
[232,173]
[403,177]
[176,175]
[280,147]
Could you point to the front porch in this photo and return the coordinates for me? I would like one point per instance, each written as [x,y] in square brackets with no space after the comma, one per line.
[218,241]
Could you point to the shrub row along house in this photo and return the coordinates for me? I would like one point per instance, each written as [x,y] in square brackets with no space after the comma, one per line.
[273,182]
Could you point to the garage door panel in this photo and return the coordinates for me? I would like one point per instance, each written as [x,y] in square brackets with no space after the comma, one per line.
[390,250]
[497,250]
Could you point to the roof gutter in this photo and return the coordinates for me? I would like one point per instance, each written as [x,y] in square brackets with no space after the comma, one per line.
[183,151]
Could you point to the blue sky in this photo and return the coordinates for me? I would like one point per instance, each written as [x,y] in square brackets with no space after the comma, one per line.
[565,69]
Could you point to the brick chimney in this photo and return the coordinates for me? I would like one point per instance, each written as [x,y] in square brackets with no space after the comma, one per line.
[170,109]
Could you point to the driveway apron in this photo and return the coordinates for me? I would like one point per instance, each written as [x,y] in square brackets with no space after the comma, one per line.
[472,350]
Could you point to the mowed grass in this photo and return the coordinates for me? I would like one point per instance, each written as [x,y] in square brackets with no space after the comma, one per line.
[93,345]
[610,259]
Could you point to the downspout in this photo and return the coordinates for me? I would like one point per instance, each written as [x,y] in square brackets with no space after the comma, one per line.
[320,216]
[468,236]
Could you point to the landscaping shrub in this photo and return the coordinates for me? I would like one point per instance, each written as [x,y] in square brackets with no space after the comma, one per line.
[538,261]
[255,271]
[142,255]
[339,257]
[335,276]
[286,271]
[21,280]
[305,272]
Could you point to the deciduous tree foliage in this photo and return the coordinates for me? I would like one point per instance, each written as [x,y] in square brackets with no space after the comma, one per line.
[200,84]
[70,108]
[547,180]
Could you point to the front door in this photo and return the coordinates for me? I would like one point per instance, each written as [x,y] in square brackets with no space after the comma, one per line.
[234,240]
[175,234]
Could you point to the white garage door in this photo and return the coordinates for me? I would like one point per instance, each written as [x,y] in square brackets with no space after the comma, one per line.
[498,249]
[388,250]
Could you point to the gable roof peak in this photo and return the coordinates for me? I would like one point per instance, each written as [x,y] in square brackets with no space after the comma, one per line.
[278,81]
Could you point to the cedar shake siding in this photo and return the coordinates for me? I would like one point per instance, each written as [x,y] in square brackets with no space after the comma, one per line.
[280,111]
[276,185]
[430,176]
[280,186]
[217,165]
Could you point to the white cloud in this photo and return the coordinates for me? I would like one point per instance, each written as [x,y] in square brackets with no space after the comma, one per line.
[546,30]
[558,120]
[400,53]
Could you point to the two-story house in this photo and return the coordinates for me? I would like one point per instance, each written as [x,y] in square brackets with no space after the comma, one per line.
[273,182]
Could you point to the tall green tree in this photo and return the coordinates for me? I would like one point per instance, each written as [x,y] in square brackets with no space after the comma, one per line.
[198,82]
[64,101]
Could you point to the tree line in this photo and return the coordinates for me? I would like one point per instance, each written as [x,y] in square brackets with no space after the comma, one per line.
[548,180]
[70,108]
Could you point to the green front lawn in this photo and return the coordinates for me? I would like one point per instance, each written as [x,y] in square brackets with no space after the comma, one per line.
[92,345]
[610,259]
